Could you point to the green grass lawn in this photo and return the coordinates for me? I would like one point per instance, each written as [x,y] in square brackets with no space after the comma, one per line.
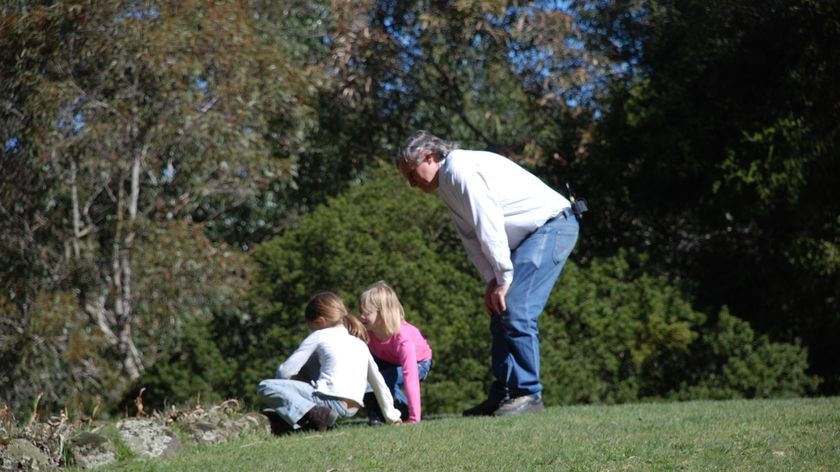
[758,435]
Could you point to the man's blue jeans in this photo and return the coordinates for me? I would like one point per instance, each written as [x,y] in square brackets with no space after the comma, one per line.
[537,263]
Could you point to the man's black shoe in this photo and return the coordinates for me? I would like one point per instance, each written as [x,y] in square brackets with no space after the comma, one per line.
[485,408]
[319,417]
[520,405]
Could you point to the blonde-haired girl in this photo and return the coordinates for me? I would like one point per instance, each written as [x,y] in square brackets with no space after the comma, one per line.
[346,368]
[400,349]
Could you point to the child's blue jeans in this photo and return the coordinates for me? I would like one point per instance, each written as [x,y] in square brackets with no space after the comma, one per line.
[393,376]
[292,399]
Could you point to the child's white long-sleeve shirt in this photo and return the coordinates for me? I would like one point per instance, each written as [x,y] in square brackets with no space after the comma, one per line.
[346,368]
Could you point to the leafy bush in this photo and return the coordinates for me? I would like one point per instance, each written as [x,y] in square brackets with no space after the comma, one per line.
[193,368]
[735,363]
[611,332]
[379,230]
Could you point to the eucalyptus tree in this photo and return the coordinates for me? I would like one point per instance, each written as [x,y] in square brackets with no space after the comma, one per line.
[129,128]
[512,76]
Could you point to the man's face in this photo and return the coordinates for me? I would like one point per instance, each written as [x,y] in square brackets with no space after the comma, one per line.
[424,175]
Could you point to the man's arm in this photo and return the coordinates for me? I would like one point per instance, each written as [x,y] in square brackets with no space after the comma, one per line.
[473,248]
[480,222]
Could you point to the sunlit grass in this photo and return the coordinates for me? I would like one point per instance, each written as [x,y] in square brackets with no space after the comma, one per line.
[758,435]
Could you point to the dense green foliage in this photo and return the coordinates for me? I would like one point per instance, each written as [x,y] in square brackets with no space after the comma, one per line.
[148,147]
[379,230]
[130,131]
[617,333]
[611,332]
[718,154]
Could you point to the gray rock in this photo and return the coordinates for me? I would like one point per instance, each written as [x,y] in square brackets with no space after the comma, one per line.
[22,455]
[205,433]
[212,430]
[252,422]
[92,450]
[147,438]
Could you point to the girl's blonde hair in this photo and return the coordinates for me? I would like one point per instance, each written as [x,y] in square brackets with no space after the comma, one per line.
[382,299]
[329,308]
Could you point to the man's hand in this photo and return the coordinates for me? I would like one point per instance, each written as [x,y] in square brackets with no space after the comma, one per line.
[494,297]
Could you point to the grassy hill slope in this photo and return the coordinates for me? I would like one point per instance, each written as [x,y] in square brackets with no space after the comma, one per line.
[742,435]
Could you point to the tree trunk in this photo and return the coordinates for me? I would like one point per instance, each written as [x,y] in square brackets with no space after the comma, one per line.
[117,322]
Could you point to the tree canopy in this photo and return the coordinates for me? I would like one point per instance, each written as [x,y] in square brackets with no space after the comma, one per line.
[172,175]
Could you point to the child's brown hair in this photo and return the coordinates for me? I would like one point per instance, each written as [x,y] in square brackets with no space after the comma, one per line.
[326,309]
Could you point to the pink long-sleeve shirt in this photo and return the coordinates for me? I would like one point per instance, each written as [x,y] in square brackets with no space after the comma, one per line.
[406,349]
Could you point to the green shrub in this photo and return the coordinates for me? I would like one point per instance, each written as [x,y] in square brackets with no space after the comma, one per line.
[611,332]
[614,333]
[193,368]
[735,363]
[379,230]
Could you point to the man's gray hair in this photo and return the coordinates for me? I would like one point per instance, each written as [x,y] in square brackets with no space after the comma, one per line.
[411,152]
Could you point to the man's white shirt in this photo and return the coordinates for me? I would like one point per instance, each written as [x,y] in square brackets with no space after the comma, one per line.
[495,204]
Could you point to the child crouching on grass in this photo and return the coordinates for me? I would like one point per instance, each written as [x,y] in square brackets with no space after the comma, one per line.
[346,368]
[400,349]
